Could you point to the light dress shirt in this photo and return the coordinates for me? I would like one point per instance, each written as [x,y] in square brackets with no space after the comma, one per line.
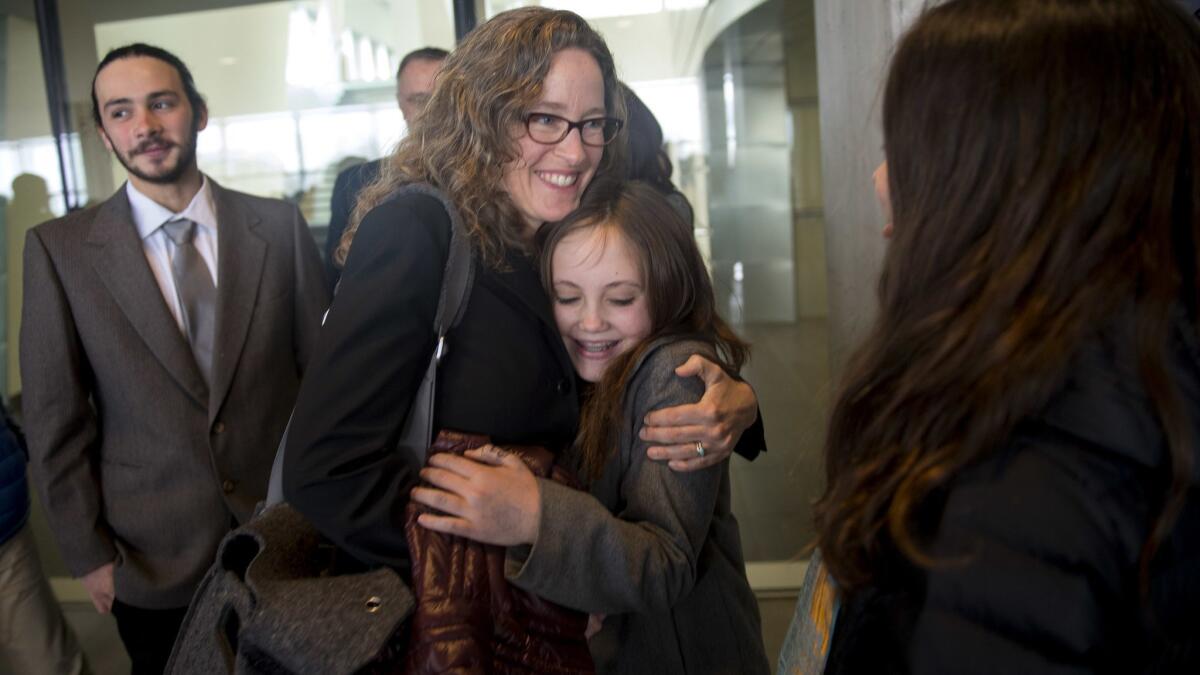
[149,217]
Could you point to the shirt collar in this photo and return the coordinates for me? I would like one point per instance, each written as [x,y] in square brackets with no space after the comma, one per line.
[149,215]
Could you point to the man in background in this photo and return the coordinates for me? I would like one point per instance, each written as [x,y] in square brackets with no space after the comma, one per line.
[414,84]
[164,333]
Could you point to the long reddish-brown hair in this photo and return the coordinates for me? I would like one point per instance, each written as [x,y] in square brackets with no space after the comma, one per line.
[1044,162]
[678,290]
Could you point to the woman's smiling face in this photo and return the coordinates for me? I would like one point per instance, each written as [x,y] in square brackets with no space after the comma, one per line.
[545,181]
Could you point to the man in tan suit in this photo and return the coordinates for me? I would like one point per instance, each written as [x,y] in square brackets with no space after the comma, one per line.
[163,337]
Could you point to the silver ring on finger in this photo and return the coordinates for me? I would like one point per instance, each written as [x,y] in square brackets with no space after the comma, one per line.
[699,449]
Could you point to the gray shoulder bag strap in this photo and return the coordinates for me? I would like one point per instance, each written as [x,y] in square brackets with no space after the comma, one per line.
[457,276]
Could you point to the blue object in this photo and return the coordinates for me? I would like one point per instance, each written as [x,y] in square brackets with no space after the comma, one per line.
[806,646]
[14,490]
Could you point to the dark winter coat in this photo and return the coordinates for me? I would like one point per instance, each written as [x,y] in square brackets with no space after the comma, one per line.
[1053,526]
[14,490]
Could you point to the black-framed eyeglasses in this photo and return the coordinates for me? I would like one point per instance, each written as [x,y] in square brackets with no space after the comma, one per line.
[549,129]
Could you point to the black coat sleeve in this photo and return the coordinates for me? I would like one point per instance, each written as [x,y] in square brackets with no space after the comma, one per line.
[340,466]
[753,440]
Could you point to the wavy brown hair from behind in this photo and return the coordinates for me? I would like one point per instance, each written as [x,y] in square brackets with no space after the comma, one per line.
[1044,160]
[467,132]
[678,290]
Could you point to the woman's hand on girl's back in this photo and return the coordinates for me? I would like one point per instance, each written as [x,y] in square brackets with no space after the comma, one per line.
[717,421]
[486,495]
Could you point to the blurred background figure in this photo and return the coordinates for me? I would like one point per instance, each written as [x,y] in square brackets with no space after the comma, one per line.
[30,203]
[414,84]
[29,206]
[648,160]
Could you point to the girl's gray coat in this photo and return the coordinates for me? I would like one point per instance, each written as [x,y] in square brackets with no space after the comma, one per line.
[656,550]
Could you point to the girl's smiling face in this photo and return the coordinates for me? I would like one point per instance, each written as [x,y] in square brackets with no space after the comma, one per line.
[600,300]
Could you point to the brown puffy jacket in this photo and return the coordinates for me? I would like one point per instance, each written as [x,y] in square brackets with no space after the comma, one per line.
[468,618]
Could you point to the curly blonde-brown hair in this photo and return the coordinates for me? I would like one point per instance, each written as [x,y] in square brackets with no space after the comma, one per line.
[463,138]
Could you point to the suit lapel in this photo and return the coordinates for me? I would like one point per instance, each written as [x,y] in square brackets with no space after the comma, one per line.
[240,255]
[119,261]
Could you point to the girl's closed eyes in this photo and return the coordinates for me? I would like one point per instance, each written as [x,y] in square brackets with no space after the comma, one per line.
[600,306]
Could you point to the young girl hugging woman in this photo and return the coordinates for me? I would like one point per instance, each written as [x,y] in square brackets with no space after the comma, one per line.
[655,555]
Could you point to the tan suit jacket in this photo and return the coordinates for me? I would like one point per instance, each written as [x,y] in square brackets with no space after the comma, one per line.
[137,461]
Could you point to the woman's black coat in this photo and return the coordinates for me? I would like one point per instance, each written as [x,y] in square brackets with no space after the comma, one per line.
[506,375]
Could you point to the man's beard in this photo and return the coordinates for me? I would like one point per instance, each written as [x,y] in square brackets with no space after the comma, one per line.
[187,158]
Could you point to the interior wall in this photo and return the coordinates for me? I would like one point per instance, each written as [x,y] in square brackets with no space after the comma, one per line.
[26,114]
[646,47]
[808,215]
[77,20]
[663,45]
[436,18]
[110,10]
[854,40]
[238,66]
[403,25]
[712,20]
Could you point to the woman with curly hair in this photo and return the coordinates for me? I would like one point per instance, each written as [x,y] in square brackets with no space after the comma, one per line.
[524,114]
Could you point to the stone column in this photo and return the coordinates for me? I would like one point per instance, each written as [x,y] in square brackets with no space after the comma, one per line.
[854,42]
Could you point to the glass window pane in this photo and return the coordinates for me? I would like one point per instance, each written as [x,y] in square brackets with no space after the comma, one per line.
[31,189]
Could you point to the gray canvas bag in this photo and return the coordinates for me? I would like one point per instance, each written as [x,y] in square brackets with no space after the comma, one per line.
[274,602]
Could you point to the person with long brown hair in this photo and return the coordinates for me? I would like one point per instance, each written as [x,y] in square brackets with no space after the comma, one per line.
[653,554]
[1012,459]
[523,115]
[648,159]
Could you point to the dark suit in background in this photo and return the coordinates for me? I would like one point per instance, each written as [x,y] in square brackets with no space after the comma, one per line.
[346,188]
[138,462]
[414,85]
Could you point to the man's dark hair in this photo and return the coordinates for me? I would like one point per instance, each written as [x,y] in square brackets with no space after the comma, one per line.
[422,54]
[142,49]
